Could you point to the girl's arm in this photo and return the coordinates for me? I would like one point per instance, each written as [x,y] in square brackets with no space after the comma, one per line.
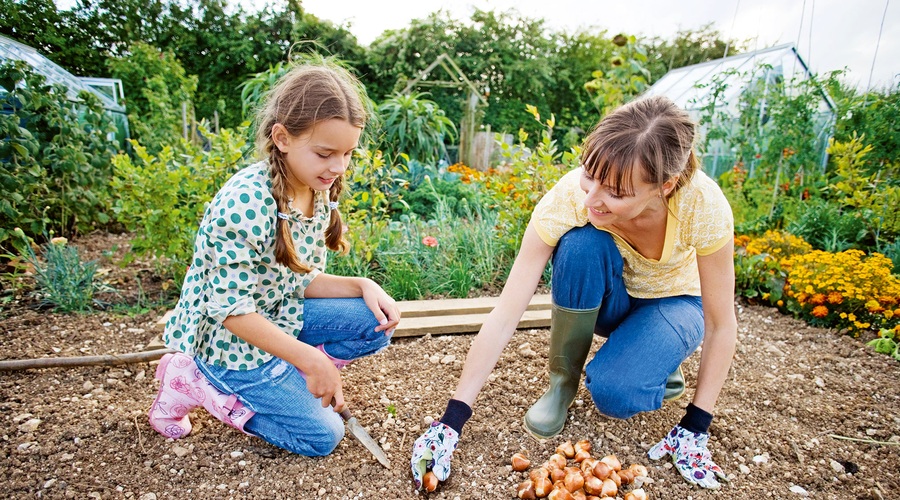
[502,321]
[379,302]
[717,290]
[322,378]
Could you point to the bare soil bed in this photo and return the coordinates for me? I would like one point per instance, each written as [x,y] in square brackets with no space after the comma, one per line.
[82,432]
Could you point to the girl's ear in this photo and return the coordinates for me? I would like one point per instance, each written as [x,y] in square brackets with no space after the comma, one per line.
[280,137]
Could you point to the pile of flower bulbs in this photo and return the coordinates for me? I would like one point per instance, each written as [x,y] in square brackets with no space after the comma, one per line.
[588,479]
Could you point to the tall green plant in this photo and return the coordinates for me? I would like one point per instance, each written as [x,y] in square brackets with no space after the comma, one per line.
[55,156]
[415,126]
[626,77]
[161,198]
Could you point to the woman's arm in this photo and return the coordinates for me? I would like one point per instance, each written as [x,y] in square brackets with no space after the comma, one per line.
[717,290]
[502,321]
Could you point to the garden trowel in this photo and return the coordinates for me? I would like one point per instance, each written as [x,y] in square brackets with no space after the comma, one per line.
[360,434]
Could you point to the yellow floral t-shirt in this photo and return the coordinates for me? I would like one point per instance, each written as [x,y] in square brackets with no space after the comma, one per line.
[700,222]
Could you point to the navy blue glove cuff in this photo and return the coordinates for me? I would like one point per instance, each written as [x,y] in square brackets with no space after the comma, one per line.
[456,415]
[696,420]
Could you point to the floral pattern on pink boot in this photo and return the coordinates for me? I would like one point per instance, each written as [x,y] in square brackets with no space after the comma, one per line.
[177,396]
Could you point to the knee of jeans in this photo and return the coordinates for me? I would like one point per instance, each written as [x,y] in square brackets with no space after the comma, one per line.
[612,397]
[318,442]
[585,263]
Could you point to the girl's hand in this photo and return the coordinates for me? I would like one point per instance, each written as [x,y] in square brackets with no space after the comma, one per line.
[382,306]
[323,380]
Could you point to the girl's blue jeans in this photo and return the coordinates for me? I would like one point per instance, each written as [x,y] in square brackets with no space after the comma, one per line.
[647,339]
[287,414]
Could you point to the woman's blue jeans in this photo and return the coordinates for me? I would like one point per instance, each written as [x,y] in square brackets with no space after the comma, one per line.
[287,414]
[647,339]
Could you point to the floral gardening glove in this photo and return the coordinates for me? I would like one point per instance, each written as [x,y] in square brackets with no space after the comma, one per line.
[690,456]
[434,448]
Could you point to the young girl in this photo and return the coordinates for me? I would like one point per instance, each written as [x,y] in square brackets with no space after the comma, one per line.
[261,329]
[641,243]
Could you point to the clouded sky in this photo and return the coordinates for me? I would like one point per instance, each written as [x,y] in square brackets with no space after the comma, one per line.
[829,34]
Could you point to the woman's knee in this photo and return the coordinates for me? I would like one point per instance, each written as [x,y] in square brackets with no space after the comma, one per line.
[616,398]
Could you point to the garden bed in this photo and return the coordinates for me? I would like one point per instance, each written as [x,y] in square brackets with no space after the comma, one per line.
[793,394]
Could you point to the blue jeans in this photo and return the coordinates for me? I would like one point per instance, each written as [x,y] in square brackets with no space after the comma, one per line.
[647,339]
[287,414]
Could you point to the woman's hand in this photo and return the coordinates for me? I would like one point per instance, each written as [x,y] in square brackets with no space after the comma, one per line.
[382,306]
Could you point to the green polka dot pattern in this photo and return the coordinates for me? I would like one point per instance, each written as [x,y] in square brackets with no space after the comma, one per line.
[234,271]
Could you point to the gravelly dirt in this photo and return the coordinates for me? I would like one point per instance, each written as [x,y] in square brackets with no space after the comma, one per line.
[82,432]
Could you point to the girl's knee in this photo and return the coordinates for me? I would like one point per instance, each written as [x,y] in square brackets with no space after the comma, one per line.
[317,442]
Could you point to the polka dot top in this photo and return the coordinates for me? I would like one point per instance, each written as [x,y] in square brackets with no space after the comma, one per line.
[700,222]
[234,272]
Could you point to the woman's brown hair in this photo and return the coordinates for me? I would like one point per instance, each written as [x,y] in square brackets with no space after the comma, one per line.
[305,96]
[653,133]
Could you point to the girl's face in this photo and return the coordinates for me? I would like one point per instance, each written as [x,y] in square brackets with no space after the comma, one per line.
[608,205]
[319,156]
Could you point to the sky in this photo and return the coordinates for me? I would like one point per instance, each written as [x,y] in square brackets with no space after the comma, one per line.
[829,34]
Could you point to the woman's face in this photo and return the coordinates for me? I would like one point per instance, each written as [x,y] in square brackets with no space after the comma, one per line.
[317,157]
[608,205]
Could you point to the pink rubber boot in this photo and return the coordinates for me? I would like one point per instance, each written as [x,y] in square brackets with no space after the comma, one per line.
[169,413]
[182,388]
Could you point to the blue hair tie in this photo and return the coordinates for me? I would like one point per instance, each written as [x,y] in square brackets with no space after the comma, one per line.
[282,215]
[333,205]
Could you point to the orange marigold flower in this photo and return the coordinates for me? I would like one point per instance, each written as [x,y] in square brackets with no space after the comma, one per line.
[820,311]
[835,298]
[817,299]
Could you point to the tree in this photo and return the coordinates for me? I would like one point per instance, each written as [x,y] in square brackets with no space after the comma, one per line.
[61,36]
[688,47]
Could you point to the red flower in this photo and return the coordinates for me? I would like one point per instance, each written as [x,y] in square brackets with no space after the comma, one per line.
[430,241]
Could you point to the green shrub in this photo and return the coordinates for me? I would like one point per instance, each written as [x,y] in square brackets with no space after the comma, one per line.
[827,227]
[157,87]
[55,157]
[162,198]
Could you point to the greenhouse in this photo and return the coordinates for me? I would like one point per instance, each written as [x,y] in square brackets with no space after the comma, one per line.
[108,90]
[718,91]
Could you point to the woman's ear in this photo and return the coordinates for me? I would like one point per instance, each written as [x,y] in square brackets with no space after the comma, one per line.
[280,137]
[669,186]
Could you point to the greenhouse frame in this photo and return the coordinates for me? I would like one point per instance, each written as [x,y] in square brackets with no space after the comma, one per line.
[691,88]
[108,90]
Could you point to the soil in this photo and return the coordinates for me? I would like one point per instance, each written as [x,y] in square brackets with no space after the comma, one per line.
[794,393]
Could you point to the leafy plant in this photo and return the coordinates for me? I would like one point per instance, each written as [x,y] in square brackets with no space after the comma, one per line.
[157,86]
[415,126]
[872,196]
[888,342]
[827,227]
[63,282]
[55,156]
[525,176]
[626,78]
[162,198]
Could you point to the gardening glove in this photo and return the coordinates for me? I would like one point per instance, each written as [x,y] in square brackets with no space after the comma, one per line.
[690,456]
[434,448]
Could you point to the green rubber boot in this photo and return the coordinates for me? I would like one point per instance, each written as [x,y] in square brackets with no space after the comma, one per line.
[674,385]
[571,333]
